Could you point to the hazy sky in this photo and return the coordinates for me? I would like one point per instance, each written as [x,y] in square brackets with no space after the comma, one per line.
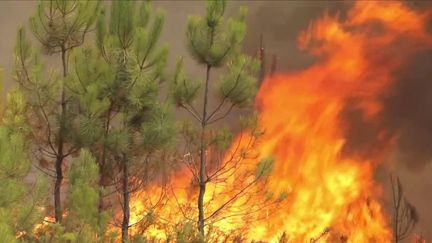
[279,22]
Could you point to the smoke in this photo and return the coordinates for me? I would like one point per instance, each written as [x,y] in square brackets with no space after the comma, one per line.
[407,109]
[12,15]
[279,22]
[408,112]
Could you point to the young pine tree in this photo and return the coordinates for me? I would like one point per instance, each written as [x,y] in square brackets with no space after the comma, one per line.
[20,201]
[215,43]
[84,222]
[120,116]
[60,26]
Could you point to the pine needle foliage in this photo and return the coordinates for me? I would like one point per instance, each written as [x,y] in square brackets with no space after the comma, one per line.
[59,26]
[83,213]
[214,41]
[21,199]
[115,86]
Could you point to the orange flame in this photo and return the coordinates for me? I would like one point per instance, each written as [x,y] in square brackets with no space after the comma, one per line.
[301,113]
[331,196]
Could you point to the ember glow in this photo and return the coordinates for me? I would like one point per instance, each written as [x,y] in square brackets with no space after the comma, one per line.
[331,196]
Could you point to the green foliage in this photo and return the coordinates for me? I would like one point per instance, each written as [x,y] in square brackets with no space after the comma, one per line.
[282,196]
[264,167]
[222,139]
[29,72]
[145,40]
[239,85]
[40,88]
[57,233]
[83,201]
[129,32]
[122,22]
[117,140]
[62,24]
[101,30]
[157,131]
[143,96]
[88,85]
[59,26]
[20,200]
[14,116]
[83,177]
[54,233]
[105,99]
[184,90]
[216,43]
[6,232]
[115,87]
[212,41]
[249,122]
[187,233]
[121,79]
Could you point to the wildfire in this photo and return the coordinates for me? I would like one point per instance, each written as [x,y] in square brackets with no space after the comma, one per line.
[301,113]
[331,196]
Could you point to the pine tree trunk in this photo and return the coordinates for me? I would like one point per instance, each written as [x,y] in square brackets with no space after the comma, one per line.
[202,188]
[57,190]
[60,145]
[202,165]
[126,198]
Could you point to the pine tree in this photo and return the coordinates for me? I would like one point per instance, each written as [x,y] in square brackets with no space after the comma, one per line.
[116,85]
[60,26]
[21,200]
[215,43]
[84,223]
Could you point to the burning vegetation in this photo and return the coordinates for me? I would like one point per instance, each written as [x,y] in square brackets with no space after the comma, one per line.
[269,160]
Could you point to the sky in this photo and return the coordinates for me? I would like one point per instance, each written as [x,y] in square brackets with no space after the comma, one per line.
[279,22]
